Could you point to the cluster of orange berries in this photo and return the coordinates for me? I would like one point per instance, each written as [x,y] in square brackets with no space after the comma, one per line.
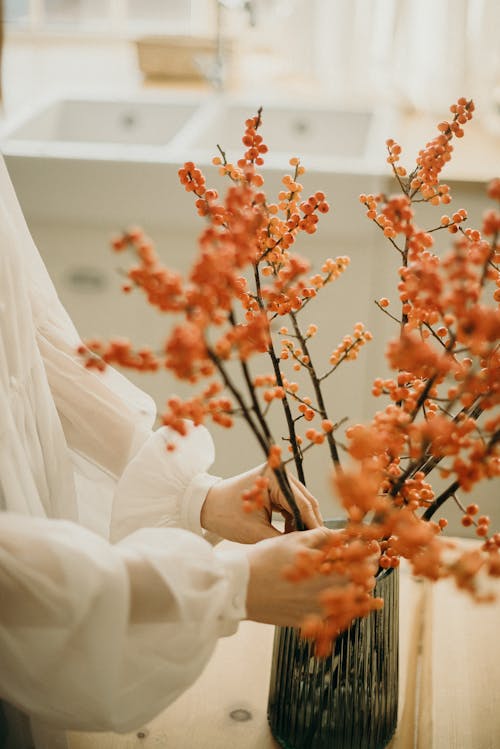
[246,339]
[274,456]
[310,219]
[352,563]
[283,296]
[380,438]
[394,156]
[491,225]
[162,286]
[453,222]
[134,236]
[255,497]
[313,435]
[197,409]
[254,142]
[193,180]
[288,348]
[187,354]
[245,171]
[397,214]
[389,557]
[351,345]
[276,393]
[467,567]
[431,159]
[279,234]
[97,355]
[493,189]
[491,219]
[437,153]
[342,605]
[420,291]
[482,523]
[417,356]
[288,289]
[238,174]
[416,492]
[304,408]
[333,268]
[394,218]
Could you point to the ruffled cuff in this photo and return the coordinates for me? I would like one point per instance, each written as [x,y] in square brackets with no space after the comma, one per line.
[237,570]
[162,488]
[192,502]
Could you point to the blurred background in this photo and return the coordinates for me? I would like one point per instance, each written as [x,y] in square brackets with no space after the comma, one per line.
[398,51]
[104,100]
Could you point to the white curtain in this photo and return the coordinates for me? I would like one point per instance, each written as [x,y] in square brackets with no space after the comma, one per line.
[417,53]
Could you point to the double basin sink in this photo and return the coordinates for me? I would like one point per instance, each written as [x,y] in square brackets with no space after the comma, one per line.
[175,127]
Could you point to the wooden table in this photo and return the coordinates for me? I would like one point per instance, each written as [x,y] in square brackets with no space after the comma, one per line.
[449,685]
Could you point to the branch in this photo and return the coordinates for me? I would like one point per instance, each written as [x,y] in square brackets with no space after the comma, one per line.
[279,380]
[334,453]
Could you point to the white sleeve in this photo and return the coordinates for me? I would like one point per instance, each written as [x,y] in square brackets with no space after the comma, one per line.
[104,416]
[165,488]
[102,637]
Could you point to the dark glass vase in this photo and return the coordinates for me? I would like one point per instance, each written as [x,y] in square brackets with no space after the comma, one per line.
[348,700]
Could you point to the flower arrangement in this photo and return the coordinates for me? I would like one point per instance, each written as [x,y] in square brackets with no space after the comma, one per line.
[243,299]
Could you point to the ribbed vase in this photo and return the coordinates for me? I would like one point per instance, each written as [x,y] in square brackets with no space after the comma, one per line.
[348,700]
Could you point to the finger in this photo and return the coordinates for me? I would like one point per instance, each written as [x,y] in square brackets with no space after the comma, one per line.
[304,506]
[316,538]
[307,505]
[310,498]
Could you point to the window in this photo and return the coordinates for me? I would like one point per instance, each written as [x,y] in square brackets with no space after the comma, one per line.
[116,17]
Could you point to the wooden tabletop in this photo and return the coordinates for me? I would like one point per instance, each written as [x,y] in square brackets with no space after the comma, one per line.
[449,683]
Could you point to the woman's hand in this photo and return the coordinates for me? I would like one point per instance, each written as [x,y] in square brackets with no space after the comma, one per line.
[223,512]
[273,599]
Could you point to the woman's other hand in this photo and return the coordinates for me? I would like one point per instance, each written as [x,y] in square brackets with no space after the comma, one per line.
[273,599]
[223,511]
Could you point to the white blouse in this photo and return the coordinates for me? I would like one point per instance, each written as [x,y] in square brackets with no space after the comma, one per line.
[94,636]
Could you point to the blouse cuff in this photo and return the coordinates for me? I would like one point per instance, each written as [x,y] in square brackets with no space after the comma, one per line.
[194,497]
[235,563]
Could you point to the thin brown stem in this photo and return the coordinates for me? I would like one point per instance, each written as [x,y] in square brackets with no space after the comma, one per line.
[334,453]
[279,381]
[446,494]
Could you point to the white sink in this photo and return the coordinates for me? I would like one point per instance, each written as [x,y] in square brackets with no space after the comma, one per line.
[292,131]
[86,126]
[95,121]
[173,127]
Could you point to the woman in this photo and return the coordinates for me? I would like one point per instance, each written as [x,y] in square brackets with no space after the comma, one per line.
[95,635]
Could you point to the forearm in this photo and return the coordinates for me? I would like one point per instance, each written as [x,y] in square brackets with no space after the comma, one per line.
[115,633]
